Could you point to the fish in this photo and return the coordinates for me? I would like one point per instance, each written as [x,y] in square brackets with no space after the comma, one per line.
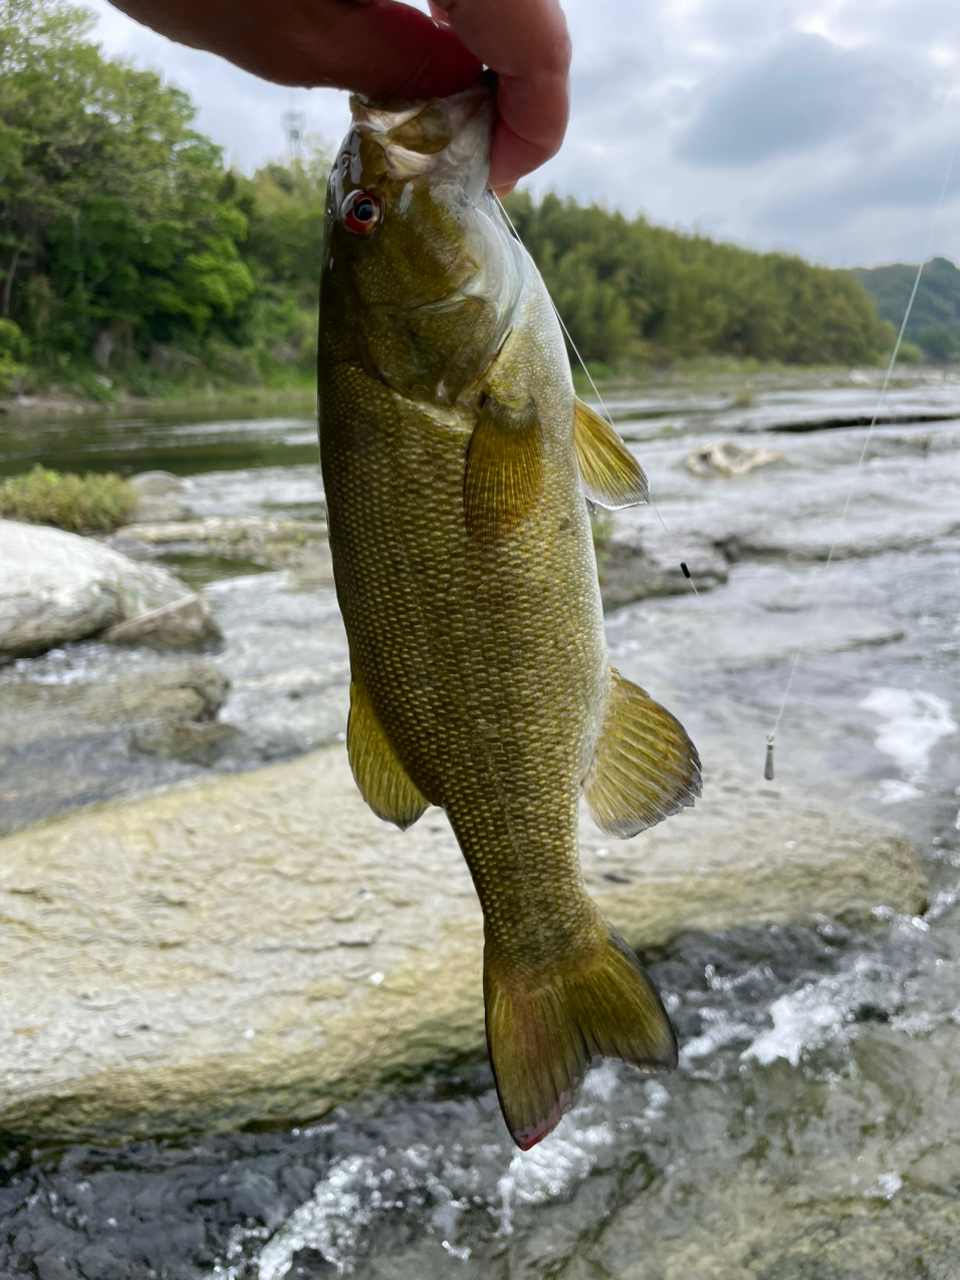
[457,467]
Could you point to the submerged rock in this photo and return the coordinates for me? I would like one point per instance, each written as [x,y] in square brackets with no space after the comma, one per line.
[201,741]
[56,587]
[300,545]
[261,947]
[69,744]
[188,691]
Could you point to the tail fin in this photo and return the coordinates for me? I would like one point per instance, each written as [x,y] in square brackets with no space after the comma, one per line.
[542,1038]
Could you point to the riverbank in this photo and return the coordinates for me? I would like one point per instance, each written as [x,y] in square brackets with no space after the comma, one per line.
[740,378]
[212,400]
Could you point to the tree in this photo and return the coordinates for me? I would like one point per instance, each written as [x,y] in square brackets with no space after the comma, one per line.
[114,213]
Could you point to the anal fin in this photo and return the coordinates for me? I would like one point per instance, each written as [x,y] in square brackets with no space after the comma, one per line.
[382,779]
[611,476]
[645,767]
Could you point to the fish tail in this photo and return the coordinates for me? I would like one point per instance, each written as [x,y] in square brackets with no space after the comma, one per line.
[543,1033]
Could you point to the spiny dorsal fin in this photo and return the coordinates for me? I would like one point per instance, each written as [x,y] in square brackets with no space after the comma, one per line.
[382,779]
[644,768]
[504,471]
[544,1032]
[611,475]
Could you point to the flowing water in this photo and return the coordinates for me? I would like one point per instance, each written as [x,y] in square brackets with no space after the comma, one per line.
[813,1128]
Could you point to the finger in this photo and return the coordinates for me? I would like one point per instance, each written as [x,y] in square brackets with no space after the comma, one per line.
[384,49]
[527,43]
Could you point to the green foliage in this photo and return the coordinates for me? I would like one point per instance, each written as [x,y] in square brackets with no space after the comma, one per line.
[938,344]
[14,350]
[116,225]
[909,354]
[88,503]
[628,290]
[285,207]
[936,308]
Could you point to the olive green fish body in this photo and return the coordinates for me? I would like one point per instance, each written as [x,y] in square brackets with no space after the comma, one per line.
[454,463]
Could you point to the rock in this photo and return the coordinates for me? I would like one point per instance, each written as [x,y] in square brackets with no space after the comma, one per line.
[259,948]
[300,545]
[158,509]
[754,1228]
[184,739]
[69,744]
[56,587]
[157,504]
[635,563]
[724,458]
[189,691]
[182,624]
[157,483]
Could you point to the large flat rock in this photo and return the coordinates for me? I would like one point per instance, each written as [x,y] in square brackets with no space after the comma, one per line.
[260,947]
[56,587]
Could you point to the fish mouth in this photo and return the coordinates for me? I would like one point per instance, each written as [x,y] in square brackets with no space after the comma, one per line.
[420,137]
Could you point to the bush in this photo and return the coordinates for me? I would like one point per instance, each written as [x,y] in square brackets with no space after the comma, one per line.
[88,503]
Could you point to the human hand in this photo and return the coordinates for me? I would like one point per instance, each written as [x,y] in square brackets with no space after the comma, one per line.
[386,49]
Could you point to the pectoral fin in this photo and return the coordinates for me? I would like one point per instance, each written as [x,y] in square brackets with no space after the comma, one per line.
[610,474]
[644,768]
[504,471]
[382,779]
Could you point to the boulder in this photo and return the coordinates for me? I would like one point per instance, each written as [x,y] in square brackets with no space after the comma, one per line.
[56,587]
[259,947]
[182,624]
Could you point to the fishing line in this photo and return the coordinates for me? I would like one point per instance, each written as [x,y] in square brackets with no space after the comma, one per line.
[768,771]
[593,386]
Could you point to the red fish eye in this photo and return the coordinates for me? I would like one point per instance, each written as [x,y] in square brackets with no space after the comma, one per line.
[360,212]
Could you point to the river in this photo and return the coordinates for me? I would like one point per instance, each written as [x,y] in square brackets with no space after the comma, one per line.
[813,1128]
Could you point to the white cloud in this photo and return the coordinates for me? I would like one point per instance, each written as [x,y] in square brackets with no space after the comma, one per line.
[818,126]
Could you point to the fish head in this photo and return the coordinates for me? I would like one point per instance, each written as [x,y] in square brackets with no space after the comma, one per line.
[420,274]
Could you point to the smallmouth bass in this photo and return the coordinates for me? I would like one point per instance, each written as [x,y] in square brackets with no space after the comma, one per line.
[455,461]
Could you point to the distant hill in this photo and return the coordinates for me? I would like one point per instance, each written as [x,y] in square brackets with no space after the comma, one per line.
[935,321]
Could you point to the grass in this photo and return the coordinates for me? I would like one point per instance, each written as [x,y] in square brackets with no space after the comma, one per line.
[82,504]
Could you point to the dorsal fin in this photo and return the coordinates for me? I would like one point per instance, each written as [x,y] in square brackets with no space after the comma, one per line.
[611,475]
[645,767]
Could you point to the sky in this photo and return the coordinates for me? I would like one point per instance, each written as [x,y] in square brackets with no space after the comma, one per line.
[821,127]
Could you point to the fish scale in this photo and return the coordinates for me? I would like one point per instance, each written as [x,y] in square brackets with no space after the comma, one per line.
[455,460]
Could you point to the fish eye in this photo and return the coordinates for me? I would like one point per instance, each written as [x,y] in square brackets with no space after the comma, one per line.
[360,213]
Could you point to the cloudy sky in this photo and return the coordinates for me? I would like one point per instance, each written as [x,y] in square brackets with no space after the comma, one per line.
[824,127]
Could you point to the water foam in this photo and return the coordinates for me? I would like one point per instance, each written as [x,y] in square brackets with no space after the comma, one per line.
[914,722]
[552,1168]
[824,1012]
